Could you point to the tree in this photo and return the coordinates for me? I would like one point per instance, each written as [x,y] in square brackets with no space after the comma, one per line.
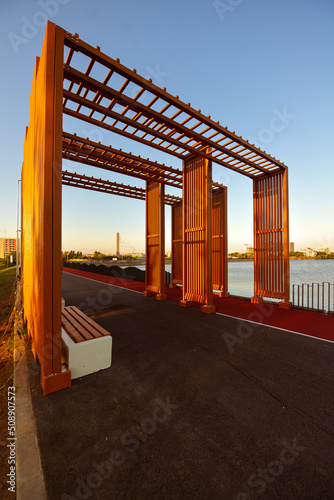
[98,255]
[12,258]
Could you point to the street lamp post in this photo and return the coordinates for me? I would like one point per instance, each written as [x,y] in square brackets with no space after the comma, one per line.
[17,227]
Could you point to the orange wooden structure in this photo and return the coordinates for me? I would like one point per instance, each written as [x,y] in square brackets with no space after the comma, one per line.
[139,110]
[271,238]
[197,233]
[41,214]
[177,244]
[155,240]
[219,242]
[103,186]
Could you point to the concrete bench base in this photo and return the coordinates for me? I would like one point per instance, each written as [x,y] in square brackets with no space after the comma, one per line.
[86,357]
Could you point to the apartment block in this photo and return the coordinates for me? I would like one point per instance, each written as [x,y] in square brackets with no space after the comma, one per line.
[7,245]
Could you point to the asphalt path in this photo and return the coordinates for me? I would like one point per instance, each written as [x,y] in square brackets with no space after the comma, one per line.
[194,406]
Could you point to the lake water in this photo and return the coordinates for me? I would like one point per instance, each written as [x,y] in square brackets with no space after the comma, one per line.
[241,274]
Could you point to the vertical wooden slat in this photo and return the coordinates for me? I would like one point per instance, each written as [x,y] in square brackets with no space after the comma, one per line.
[261,236]
[177,244]
[276,232]
[225,245]
[286,277]
[184,229]
[161,295]
[270,234]
[266,235]
[41,212]
[207,185]
[56,196]
[219,241]
[255,236]
[280,234]
[155,240]
[271,248]
[197,233]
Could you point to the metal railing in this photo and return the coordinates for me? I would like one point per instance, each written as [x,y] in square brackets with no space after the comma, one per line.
[318,297]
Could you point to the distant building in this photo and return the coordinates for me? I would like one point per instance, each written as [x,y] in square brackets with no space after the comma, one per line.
[309,252]
[250,250]
[7,245]
[327,251]
[117,245]
[291,246]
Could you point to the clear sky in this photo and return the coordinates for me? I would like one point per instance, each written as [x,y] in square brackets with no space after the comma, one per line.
[244,62]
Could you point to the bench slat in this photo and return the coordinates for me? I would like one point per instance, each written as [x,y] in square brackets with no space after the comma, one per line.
[80,328]
[100,331]
[72,332]
[83,321]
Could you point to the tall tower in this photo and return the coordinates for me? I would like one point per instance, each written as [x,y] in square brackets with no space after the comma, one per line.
[117,245]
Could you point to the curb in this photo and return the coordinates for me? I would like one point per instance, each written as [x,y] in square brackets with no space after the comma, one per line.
[29,474]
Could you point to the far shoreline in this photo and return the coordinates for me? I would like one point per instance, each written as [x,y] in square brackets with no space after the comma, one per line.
[142,262]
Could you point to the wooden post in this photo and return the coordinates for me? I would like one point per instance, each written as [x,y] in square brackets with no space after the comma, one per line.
[197,233]
[155,240]
[286,304]
[219,242]
[177,245]
[41,213]
[271,238]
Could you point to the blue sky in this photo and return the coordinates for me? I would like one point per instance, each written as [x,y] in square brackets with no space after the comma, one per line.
[263,68]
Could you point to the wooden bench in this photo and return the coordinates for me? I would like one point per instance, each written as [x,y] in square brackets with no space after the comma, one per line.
[87,346]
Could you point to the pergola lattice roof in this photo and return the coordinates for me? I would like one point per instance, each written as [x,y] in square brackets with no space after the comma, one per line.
[139,110]
[94,184]
[96,88]
[95,154]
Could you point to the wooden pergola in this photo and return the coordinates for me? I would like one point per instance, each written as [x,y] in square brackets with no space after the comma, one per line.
[76,79]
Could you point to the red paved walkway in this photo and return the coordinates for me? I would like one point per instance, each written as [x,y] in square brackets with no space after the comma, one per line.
[308,323]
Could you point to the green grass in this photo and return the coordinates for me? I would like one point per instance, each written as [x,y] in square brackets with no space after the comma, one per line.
[7,280]
[4,269]
[7,304]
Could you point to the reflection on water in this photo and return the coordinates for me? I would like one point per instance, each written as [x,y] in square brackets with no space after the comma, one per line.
[241,274]
[241,278]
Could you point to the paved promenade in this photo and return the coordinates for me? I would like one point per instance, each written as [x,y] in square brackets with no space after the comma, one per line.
[186,411]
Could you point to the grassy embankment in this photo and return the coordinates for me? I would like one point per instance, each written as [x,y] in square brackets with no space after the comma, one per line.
[7,303]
